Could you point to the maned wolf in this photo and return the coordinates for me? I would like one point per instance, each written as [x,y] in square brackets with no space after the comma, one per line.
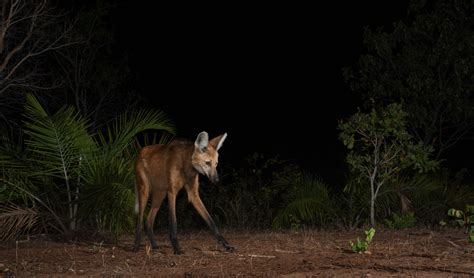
[163,170]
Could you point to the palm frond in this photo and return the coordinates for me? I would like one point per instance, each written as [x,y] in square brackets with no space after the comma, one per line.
[21,186]
[152,138]
[13,185]
[60,144]
[59,141]
[15,220]
[123,131]
[426,191]
[12,152]
[309,203]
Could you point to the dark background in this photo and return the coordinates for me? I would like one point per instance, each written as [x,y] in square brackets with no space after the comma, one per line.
[269,74]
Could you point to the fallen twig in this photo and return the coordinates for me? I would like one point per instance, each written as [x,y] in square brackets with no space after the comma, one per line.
[261,256]
[454,244]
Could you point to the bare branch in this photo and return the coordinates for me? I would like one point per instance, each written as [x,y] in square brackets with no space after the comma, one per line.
[28,29]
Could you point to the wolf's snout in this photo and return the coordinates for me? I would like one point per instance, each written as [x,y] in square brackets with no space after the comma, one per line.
[214,178]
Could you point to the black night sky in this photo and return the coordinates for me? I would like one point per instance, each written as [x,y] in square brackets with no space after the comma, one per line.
[269,74]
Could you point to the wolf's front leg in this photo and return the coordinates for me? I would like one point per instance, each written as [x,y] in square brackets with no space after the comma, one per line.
[201,209]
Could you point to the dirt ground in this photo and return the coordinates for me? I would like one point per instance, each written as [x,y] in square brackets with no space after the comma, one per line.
[405,253]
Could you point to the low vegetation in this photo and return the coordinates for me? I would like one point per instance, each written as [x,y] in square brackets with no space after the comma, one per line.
[361,246]
[465,219]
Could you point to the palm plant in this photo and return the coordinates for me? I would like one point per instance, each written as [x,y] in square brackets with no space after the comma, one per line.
[308,202]
[72,171]
[59,144]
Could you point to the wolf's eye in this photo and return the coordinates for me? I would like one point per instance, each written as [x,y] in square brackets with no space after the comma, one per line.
[208,163]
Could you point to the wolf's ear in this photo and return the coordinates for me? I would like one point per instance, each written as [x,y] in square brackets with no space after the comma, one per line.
[218,141]
[202,141]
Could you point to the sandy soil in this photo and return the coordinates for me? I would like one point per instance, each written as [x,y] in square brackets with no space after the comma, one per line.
[405,253]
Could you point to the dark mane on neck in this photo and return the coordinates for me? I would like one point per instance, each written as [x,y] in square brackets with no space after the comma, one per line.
[180,141]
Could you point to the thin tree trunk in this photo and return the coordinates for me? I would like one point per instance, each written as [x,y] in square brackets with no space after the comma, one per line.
[72,225]
[76,199]
[373,194]
[372,209]
[373,177]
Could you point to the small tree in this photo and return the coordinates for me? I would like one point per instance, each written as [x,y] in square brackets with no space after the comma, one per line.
[380,147]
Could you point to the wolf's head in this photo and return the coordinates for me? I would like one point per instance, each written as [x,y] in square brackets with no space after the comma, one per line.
[205,156]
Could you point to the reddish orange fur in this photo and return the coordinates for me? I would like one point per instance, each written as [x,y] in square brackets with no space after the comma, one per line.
[163,170]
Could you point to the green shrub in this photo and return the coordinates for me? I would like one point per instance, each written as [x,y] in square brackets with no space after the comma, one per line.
[361,246]
[464,219]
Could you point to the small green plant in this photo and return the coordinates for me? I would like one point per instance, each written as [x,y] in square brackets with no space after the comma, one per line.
[464,219]
[402,221]
[361,246]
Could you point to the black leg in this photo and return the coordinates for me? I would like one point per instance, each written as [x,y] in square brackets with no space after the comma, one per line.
[149,233]
[201,209]
[138,233]
[173,224]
